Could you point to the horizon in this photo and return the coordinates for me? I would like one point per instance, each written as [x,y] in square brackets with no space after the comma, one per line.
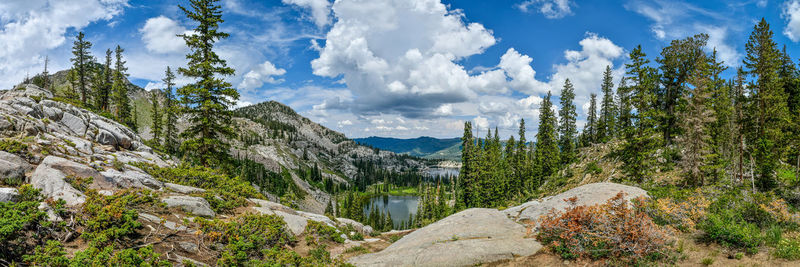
[484,62]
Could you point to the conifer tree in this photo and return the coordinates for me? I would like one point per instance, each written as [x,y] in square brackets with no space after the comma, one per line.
[120,88]
[467,172]
[209,98]
[156,117]
[566,126]
[767,113]
[624,123]
[641,140]
[606,124]
[678,62]
[590,129]
[82,64]
[547,156]
[721,129]
[170,112]
[696,119]
[46,74]
[103,86]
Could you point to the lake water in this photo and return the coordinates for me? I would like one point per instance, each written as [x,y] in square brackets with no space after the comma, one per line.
[443,172]
[399,206]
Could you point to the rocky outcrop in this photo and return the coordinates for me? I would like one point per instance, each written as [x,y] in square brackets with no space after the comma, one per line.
[12,168]
[586,195]
[194,205]
[466,238]
[297,220]
[132,179]
[183,189]
[50,177]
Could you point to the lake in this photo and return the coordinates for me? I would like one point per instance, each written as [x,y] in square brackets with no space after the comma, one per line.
[399,206]
[444,172]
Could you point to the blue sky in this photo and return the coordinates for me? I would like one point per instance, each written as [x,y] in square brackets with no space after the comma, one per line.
[400,68]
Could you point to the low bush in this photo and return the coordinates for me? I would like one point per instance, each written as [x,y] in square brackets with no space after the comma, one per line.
[729,229]
[13,146]
[683,214]
[610,230]
[317,231]
[592,168]
[787,249]
[53,255]
[20,223]
[232,190]
[247,236]
[109,219]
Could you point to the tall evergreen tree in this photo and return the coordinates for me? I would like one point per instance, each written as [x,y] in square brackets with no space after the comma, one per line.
[624,123]
[170,112]
[721,129]
[606,124]
[156,117]
[103,86]
[696,119]
[82,64]
[566,126]
[467,172]
[209,99]
[678,62]
[521,160]
[641,140]
[547,156]
[768,113]
[122,107]
[590,129]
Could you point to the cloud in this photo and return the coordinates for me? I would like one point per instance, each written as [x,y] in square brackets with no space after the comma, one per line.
[676,20]
[159,35]
[551,9]
[31,29]
[400,56]
[791,13]
[320,10]
[261,74]
[344,123]
[518,68]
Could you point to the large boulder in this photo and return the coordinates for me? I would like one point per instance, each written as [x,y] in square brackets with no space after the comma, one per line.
[12,168]
[194,205]
[586,195]
[50,177]
[467,238]
[132,179]
[361,228]
[183,189]
[295,223]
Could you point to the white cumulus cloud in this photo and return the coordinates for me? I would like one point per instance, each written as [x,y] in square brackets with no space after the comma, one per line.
[320,10]
[160,35]
[791,13]
[264,73]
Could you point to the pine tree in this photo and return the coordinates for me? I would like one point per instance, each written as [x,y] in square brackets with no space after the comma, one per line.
[156,118]
[721,130]
[566,126]
[122,106]
[103,86]
[678,62]
[590,129]
[547,156]
[467,172]
[606,124]
[521,160]
[624,123]
[696,119]
[46,74]
[641,140]
[209,99]
[170,112]
[81,64]
[767,112]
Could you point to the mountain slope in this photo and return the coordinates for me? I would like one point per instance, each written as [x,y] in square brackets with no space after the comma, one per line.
[426,147]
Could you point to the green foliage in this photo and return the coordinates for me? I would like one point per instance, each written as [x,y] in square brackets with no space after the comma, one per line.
[730,229]
[52,254]
[107,220]
[592,168]
[20,221]
[252,240]
[566,126]
[13,146]
[80,183]
[209,99]
[787,249]
[707,261]
[317,231]
[233,191]
[93,256]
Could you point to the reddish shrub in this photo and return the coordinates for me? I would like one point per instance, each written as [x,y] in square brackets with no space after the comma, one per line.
[611,230]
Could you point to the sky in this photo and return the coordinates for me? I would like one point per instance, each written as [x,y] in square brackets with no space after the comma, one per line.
[394,68]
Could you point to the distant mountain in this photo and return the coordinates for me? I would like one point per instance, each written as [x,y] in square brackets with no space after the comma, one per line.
[425,147]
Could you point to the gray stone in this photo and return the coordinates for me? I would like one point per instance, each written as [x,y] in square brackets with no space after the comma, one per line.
[272,205]
[467,238]
[317,218]
[183,189]
[188,247]
[8,194]
[295,223]
[132,179]
[194,205]
[590,194]
[13,167]
[106,138]
[361,228]
[74,123]
[50,174]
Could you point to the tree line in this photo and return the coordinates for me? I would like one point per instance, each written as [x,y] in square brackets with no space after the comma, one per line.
[678,109]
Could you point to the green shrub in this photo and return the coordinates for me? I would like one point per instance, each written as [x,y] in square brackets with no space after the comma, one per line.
[707,261]
[79,183]
[232,190]
[52,254]
[13,146]
[787,249]
[729,229]
[592,168]
[108,219]
[92,256]
[247,236]
[317,231]
[20,222]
